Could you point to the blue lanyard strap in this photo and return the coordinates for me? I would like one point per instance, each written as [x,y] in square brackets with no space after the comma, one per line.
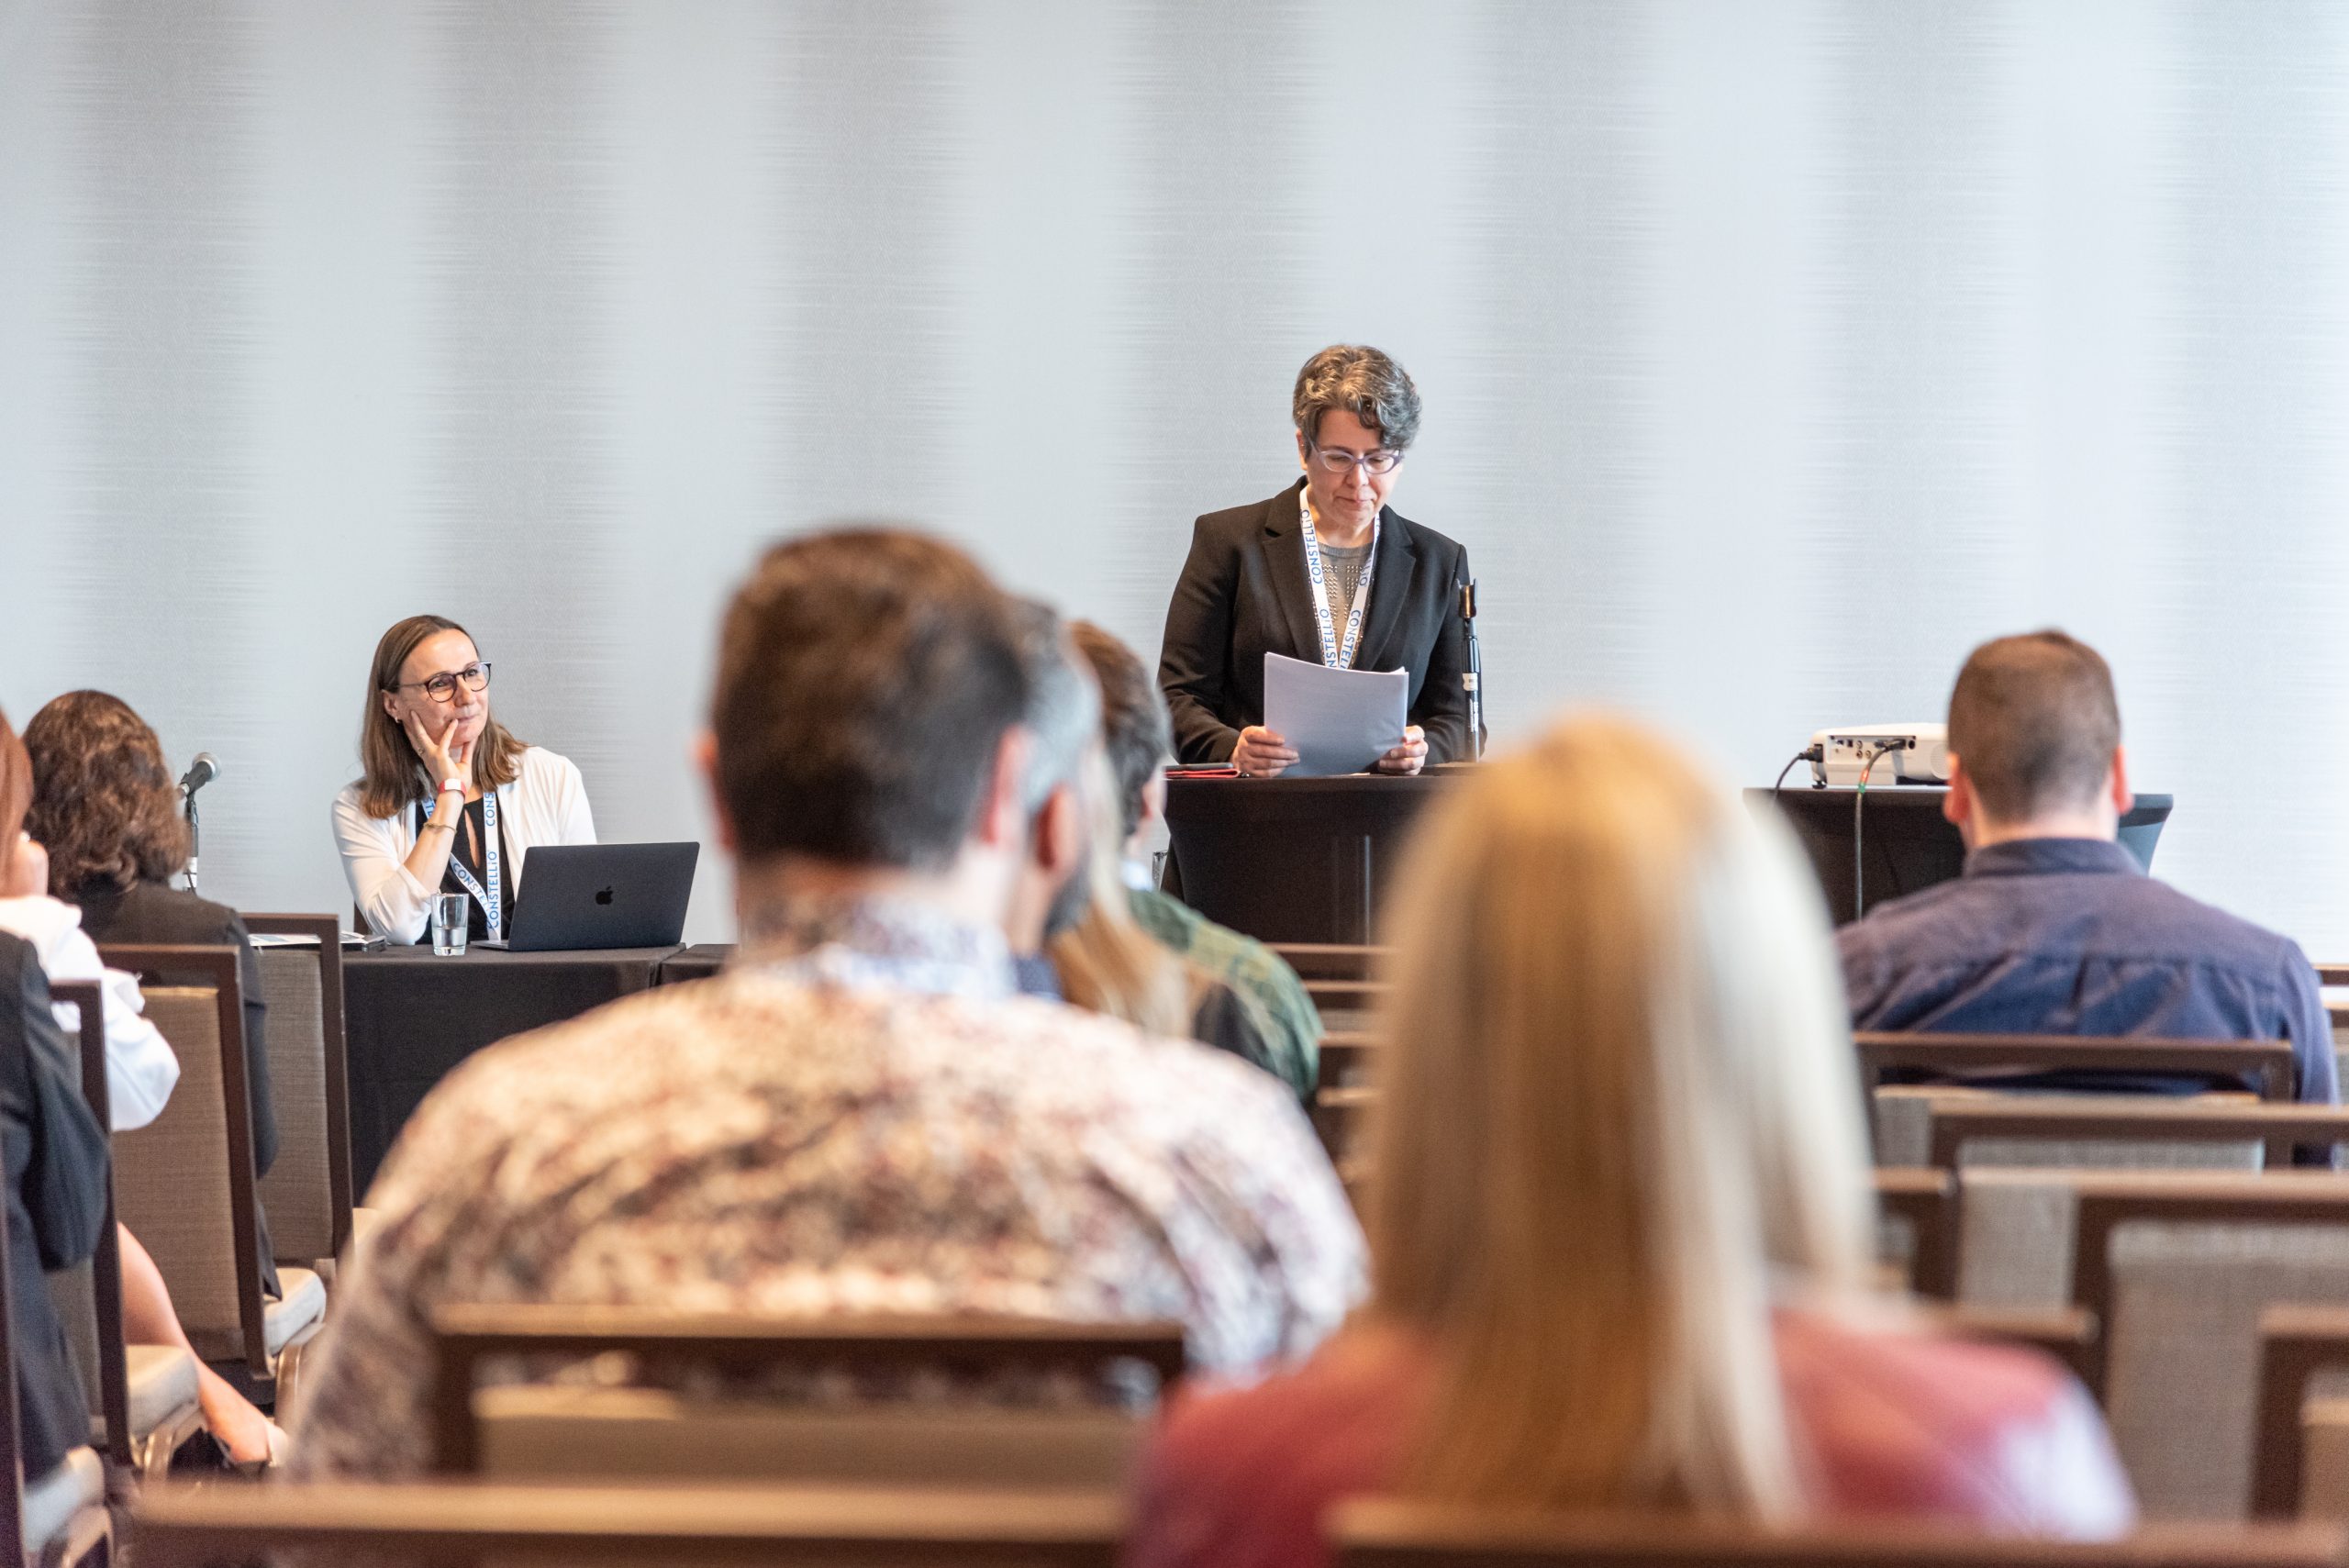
[1337,655]
[489,898]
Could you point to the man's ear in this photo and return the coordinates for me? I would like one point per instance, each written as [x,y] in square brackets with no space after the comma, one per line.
[1002,820]
[1153,802]
[1062,835]
[2123,802]
[1959,804]
[706,763]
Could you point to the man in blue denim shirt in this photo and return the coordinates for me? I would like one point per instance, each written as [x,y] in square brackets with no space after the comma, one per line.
[2052,929]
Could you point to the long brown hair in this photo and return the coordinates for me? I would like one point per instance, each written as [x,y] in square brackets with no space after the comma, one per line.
[104,804]
[394,778]
[1619,1105]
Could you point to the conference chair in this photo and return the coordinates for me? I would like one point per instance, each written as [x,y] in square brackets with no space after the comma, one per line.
[307,1193]
[230,1527]
[963,1401]
[1381,1532]
[144,1397]
[60,1518]
[2174,1270]
[184,1183]
[2300,1453]
[1897,1111]
[2013,1235]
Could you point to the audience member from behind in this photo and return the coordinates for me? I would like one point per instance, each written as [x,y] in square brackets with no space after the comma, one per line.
[860,1114]
[140,1068]
[106,809]
[2054,928]
[106,812]
[55,1155]
[1619,1213]
[449,801]
[1062,712]
[1072,938]
[1139,741]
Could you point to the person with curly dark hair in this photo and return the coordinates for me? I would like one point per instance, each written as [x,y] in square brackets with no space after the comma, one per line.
[106,811]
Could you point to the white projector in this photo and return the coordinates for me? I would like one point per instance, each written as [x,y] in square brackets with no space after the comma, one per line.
[1911,753]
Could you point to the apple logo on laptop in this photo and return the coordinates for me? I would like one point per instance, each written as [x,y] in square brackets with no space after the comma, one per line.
[605,896]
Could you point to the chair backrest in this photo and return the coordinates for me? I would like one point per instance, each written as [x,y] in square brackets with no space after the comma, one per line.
[306,1192]
[2296,1343]
[2175,1270]
[1332,960]
[1346,1056]
[184,1183]
[667,1346]
[1925,1202]
[89,1296]
[1378,1533]
[193,1527]
[2265,1063]
[2066,1333]
[2146,1128]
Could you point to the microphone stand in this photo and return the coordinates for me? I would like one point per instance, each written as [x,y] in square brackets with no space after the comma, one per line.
[195,837]
[1472,678]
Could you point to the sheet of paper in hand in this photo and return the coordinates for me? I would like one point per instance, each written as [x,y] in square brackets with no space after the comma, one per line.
[1340,721]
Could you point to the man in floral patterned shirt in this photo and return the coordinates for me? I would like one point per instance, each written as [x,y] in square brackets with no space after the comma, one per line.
[860,1114]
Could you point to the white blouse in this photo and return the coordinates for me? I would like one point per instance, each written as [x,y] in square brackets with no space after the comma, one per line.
[140,1067]
[546,804]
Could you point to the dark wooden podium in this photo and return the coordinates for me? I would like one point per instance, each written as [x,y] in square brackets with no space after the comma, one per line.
[1291,860]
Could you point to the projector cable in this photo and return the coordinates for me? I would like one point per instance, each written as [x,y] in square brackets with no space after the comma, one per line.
[1859,800]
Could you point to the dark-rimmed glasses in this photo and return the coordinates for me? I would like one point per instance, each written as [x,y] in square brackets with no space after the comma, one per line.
[1335,461]
[443,687]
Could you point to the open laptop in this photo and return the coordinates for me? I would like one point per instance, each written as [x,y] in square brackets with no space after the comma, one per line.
[602,895]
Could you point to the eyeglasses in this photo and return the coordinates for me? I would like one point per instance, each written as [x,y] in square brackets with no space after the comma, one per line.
[443,686]
[1334,460]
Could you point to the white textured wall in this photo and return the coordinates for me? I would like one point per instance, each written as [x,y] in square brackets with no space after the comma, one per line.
[1774,353]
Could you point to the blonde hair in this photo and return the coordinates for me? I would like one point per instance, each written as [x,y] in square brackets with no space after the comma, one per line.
[1618,1098]
[1106,961]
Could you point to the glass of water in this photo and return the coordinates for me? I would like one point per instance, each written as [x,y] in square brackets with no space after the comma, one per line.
[448,924]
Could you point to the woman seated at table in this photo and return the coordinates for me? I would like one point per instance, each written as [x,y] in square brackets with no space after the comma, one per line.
[1325,572]
[1620,1214]
[103,830]
[451,801]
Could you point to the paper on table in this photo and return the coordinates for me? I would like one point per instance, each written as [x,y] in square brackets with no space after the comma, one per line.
[1339,721]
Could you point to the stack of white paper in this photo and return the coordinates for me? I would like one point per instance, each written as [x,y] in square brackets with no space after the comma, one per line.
[1339,721]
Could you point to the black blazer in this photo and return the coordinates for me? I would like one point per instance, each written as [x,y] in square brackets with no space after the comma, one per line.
[1244,593]
[153,912]
[55,1155]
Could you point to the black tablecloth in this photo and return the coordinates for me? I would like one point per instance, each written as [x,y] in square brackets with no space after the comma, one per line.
[698,962]
[413,1017]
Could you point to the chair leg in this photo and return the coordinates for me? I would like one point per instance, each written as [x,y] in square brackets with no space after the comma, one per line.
[288,1370]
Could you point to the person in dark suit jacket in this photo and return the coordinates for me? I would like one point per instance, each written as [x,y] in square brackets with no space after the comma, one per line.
[55,1156]
[1389,588]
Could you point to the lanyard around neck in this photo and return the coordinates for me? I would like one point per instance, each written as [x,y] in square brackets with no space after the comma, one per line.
[489,898]
[1335,654]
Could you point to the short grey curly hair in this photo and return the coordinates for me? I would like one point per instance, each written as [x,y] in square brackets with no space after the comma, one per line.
[1366,383]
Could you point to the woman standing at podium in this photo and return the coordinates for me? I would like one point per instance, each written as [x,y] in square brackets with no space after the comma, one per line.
[449,801]
[1326,571]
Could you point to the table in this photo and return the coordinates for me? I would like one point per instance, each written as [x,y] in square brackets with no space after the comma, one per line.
[1293,859]
[698,962]
[412,1018]
[1910,845]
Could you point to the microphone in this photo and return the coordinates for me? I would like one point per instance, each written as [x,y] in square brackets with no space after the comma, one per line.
[202,772]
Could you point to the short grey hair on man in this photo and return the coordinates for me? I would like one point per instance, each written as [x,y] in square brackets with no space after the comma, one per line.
[1363,382]
[1064,705]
